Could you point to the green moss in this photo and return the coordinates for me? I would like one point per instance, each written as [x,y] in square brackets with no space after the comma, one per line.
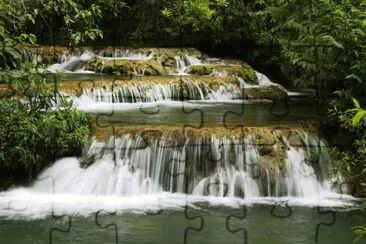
[245,71]
[153,67]
[127,67]
[248,74]
[200,69]
[183,90]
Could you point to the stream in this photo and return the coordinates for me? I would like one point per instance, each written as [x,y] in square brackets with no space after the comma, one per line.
[213,187]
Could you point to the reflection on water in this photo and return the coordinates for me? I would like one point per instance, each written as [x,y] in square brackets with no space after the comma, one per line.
[210,113]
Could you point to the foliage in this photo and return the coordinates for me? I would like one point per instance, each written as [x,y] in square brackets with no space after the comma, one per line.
[190,15]
[359,115]
[112,6]
[32,140]
[32,133]
[12,38]
[78,19]
[28,83]
[248,74]
[200,69]
[241,21]
[322,42]
[352,163]
[359,232]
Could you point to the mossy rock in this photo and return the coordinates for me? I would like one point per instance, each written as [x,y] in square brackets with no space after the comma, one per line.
[200,69]
[126,67]
[246,72]
[193,52]
[183,90]
[273,92]
[168,61]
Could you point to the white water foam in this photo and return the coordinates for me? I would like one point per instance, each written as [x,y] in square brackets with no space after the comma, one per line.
[137,180]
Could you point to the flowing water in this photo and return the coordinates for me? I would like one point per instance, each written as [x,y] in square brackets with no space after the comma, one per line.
[150,190]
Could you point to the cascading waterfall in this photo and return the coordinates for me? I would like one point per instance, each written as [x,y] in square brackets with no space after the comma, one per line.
[192,60]
[213,166]
[75,62]
[125,54]
[181,66]
[68,63]
[129,173]
[149,92]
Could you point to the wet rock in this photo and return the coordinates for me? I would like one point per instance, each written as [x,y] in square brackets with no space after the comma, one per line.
[246,72]
[272,92]
[87,161]
[200,69]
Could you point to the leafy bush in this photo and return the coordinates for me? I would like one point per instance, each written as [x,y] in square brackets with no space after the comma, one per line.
[37,126]
[11,37]
[29,141]
[351,162]
[322,42]
[359,232]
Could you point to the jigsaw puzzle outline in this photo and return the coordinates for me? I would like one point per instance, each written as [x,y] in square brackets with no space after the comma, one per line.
[190,228]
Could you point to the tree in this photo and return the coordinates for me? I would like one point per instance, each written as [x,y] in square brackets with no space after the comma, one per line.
[186,16]
[78,19]
[29,124]
[321,41]
[12,38]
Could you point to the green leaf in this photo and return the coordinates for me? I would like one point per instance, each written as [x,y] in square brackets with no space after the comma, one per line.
[355,77]
[357,118]
[356,103]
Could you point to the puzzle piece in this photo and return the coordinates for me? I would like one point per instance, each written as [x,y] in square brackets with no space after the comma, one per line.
[281,211]
[211,156]
[328,224]
[144,143]
[199,126]
[115,227]
[237,114]
[185,176]
[220,187]
[52,186]
[279,108]
[241,217]
[56,229]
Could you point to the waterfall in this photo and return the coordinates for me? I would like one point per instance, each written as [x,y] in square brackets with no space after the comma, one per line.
[208,166]
[181,66]
[69,63]
[75,62]
[150,92]
[192,60]
[301,178]
[125,54]
[263,80]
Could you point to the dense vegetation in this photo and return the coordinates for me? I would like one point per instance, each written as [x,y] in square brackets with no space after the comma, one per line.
[32,133]
[315,44]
